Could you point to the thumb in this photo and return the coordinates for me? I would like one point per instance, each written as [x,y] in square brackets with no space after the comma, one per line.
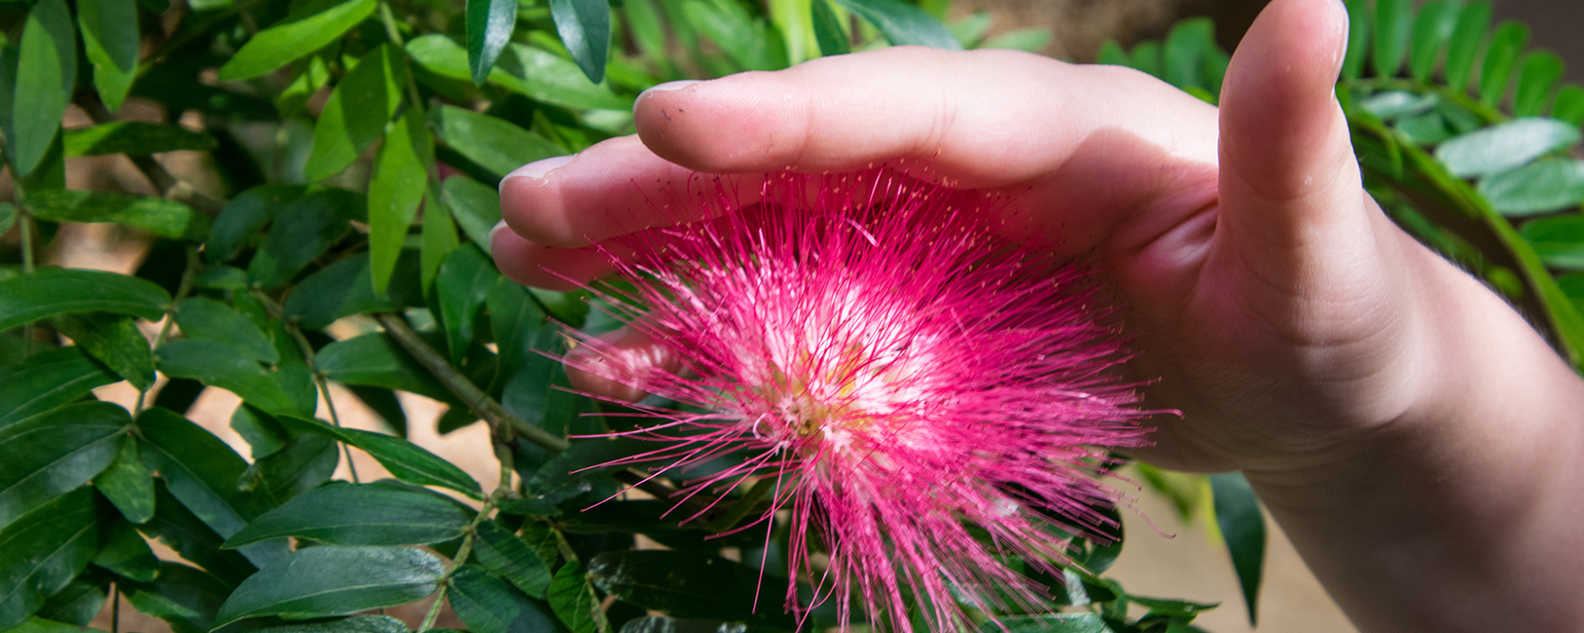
[1289,181]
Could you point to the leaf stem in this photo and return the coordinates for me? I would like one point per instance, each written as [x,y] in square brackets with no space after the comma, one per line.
[324,392]
[183,289]
[167,184]
[479,402]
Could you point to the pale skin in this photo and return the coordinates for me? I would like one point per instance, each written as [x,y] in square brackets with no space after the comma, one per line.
[1418,441]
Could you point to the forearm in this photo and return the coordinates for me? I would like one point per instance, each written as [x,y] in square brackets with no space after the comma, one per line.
[1468,514]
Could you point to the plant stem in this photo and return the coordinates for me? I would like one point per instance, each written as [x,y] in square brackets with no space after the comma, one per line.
[183,289]
[479,402]
[25,227]
[115,607]
[324,391]
[167,184]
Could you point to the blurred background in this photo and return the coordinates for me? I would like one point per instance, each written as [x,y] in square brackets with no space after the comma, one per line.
[1164,555]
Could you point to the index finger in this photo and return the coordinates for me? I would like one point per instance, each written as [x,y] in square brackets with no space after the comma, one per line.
[1095,140]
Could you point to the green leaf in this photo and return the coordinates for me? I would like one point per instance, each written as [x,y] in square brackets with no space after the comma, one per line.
[903,24]
[463,284]
[1242,526]
[46,72]
[1431,29]
[306,462]
[185,597]
[1559,241]
[325,581]
[585,28]
[245,217]
[439,238]
[828,30]
[395,191]
[113,340]
[356,114]
[55,452]
[406,460]
[346,288]
[304,230]
[8,216]
[133,138]
[684,584]
[1393,104]
[52,291]
[1538,73]
[209,320]
[1496,70]
[373,360]
[1049,623]
[1032,39]
[647,30]
[165,218]
[202,473]
[354,624]
[574,602]
[294,37]
[361,514]
[489,29]
[1393,26]
[492,143]
[47,380]
[1467,35]
[110,38]
[69,608]
[42,551]
[1541,186]
[1569,104]
[1183,53]
[38,624]
[128,484]
[293,100]
[528,71]
[412,464]
[1504,146]
[474,206]
[1358,43]
[505,555]
[177,527]
[744,38]
[1424,129]
[126,554]
[221,365]
[487,605]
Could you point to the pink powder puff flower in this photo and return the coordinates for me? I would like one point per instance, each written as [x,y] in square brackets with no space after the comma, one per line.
[928,397]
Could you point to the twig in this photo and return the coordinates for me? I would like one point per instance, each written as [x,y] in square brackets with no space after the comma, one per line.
[182,290]
[167,184]
[479,402]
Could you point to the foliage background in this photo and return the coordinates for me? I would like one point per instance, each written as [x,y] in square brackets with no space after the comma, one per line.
[322,177]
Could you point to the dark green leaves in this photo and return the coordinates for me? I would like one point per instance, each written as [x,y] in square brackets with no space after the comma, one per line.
[42,551]
[295,37]
[128,484]
[1504,146]
[356,114]
[1500,56]
[574,602]
[684,584]
[1545,185]
[54,452]
[531,72]
[903,23]
[1242,526]
[1431,28]
[1537,75]
[46,71]
[585,27]
[828,31]
[165,218]
[492,143]
[407,461]
[113,340]
[1559,241]
[53,291]
[125,553]
[1052,623]
[209,320]
[221,365]
[489,28]
[110,38]
[135,138]
[395,191]
[506,555]
[345,288]
[466,277]
[361,514]
[1467,33]
[487,605]
[355,624]
[303,230]
[47,380]
[373,360]
[1393,24]
[331,580]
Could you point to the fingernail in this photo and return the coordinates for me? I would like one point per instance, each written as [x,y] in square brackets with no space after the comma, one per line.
[671,86]
[495,232]
[537,169]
